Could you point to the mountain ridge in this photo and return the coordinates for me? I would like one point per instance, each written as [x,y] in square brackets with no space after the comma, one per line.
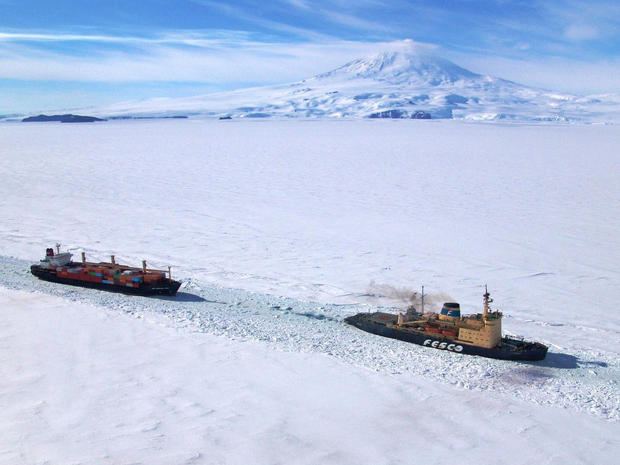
[401,83]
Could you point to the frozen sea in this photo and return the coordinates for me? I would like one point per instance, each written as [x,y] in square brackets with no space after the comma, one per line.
[279,230]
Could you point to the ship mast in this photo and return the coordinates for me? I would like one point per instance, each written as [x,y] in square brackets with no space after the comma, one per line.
[487,301]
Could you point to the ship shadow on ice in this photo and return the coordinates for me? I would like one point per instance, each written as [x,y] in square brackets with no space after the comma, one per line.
[532,375]
[556,360]
[565,361]
[184,297]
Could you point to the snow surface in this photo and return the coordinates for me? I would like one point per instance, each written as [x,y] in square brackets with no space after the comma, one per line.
[280,230]
[87,384]
[402,82]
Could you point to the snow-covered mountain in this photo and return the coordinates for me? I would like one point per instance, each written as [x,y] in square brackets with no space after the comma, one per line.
[393,84]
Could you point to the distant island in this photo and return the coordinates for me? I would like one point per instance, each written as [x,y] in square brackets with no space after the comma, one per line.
[62,118]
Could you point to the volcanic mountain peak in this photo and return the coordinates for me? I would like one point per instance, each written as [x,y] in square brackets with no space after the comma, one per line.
[402,82]
[401,67]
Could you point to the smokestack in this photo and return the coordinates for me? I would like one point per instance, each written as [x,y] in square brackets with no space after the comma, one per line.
[112,260]
[83,258]
[144,266]
[422,303]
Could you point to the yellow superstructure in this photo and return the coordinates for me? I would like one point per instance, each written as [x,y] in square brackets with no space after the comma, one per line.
[486,332]
[482,329]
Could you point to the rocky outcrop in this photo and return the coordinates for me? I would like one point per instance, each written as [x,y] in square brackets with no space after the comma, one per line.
[68,118]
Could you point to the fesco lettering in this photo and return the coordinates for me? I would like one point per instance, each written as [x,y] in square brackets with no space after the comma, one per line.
[443,345]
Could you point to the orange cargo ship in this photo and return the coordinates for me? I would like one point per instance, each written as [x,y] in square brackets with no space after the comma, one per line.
[59,268]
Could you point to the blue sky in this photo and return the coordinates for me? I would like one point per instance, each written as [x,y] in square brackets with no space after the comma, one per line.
[70,53]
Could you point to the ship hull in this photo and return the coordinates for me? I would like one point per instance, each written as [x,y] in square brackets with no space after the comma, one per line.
[510,349]
[163,287]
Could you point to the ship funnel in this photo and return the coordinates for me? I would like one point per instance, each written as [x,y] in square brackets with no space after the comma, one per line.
[450,310]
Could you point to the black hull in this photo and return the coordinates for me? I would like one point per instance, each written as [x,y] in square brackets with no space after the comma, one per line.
[164,287]
[510,349]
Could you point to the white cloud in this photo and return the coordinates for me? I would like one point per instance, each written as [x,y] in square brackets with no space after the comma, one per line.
[353,21]
[169,38]
[232,58]
[301,4]
[220,57]
[555,73]
[208,60]
[579,20]
[577,32]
